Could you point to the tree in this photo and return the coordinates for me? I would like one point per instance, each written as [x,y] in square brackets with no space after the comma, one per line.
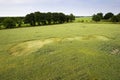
[43,18]
[114,19]
[72,17]
[55,17]
[9,23]
[19,21]
[49,17]
[61,17]
[1,19]
[30,18]
[100,14]
[96,18]
[37,17]
[108,16]
[118,17]
[67,18]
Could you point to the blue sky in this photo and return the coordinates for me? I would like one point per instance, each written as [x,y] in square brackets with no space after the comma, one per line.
[77,7]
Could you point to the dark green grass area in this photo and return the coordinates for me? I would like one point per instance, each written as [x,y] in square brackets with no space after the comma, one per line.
[88,59]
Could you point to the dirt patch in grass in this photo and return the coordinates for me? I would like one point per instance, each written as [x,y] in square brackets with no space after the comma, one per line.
[110,48]
[115,51]
[28,47]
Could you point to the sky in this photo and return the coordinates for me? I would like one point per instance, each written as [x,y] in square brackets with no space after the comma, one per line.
[77,7]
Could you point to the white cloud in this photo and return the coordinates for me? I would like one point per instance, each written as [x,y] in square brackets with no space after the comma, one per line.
[27,1]
[12,1]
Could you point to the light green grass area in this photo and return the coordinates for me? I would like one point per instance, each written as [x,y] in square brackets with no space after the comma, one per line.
[84,19]
[73,51]
[88,19]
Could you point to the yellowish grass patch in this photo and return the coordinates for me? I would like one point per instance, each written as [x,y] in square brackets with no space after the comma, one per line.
[28,47]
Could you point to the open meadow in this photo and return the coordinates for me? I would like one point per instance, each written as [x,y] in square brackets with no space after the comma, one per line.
[85,19]
[71,51]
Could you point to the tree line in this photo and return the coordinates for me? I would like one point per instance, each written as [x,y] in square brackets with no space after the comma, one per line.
[36,19]
[107,17]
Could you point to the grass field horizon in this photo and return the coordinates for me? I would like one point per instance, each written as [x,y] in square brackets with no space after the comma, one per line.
[72,51]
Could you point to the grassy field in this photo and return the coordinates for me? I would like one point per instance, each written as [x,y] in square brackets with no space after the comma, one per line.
[84,19]
[73,51]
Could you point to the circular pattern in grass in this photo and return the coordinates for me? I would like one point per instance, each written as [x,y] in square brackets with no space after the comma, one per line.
[28,47]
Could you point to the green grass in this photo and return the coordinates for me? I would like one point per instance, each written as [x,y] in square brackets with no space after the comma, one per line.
[84,19]
[88,19]
[87,59]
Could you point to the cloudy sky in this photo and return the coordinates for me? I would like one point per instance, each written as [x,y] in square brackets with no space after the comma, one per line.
[77,7]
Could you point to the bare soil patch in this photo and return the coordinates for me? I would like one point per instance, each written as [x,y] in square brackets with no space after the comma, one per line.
[115,51]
